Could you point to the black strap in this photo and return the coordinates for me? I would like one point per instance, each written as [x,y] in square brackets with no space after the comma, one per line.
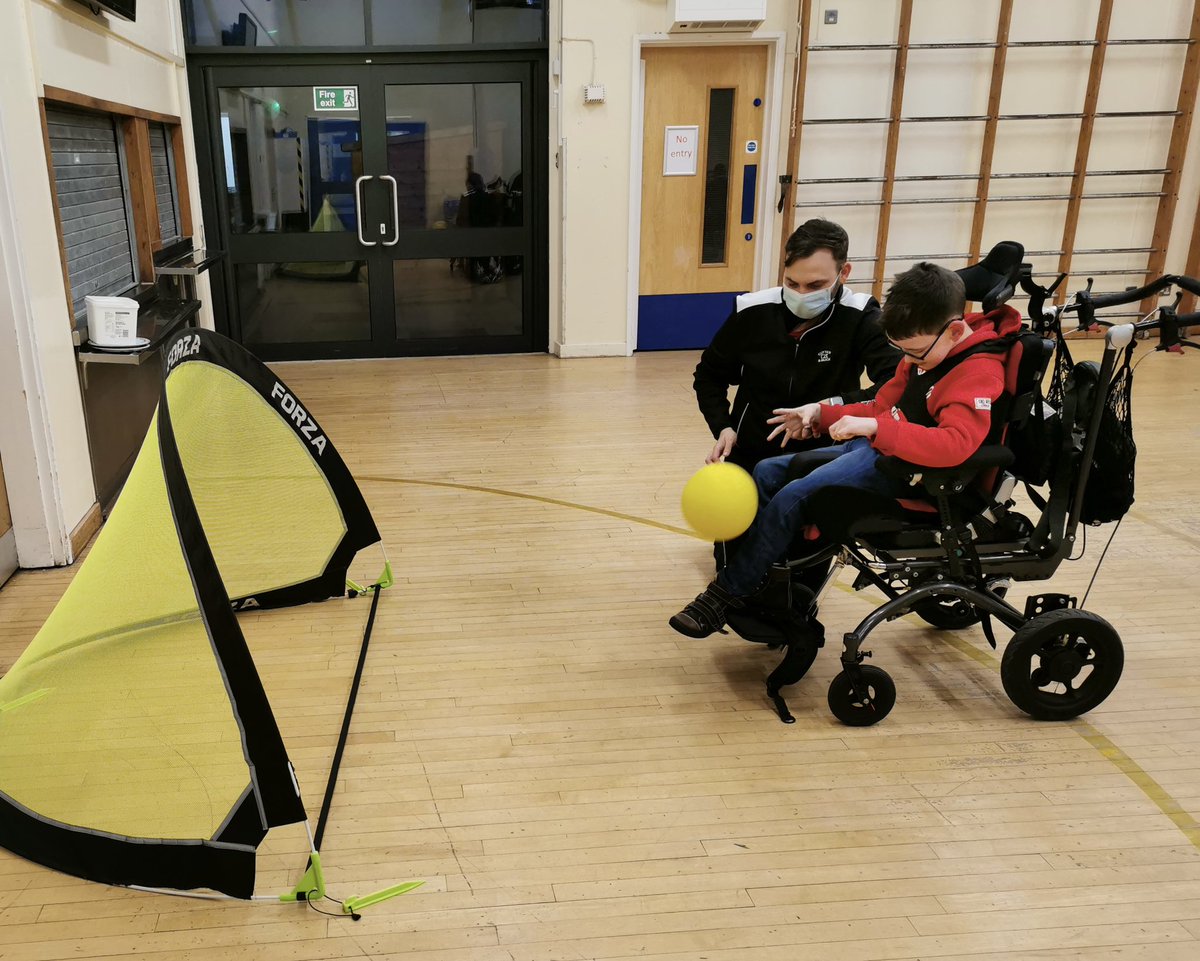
[1038,500]
[913,403]
[985,621]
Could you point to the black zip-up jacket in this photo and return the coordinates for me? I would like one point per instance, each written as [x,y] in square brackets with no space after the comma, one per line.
[755,351]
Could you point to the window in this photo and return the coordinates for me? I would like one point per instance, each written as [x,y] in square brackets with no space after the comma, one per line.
[93,203]
[118,178]
[166,193]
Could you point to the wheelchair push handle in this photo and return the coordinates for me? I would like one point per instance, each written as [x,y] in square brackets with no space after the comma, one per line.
[1033,288]
[1190,284]
[1131,296]
[1087,303]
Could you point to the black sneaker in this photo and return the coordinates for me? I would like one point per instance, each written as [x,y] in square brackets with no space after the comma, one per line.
[707,613]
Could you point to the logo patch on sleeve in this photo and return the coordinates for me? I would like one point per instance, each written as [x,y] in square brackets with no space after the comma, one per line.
[983,403]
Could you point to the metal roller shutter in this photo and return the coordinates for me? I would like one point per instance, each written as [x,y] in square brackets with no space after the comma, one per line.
[90,185]
[164,183]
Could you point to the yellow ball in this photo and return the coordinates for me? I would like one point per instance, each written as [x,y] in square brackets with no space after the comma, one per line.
[720,501]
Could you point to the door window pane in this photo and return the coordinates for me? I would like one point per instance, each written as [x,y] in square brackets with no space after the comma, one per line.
[303,302]
[463,297]
[290,167]
[716,175]
[455,151]
[357,23]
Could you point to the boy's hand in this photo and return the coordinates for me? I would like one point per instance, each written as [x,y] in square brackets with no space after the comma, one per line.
[848,427]
[795,423]
[723,447]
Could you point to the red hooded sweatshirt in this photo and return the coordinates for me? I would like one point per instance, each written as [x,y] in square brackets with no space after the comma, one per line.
[961,402]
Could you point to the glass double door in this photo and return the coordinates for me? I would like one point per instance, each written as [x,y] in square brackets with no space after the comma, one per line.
[375,210]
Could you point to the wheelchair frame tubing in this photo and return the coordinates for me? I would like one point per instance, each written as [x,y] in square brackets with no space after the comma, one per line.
[987,602]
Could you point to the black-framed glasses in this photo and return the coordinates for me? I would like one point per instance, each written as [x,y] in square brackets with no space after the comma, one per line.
[932,343]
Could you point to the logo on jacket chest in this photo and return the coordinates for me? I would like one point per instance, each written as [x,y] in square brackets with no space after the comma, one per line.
[824,356]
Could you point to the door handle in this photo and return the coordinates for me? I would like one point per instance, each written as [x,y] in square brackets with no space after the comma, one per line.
[358,210]
[395,211]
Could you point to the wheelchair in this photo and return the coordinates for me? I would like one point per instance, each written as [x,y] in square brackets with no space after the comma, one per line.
[950,552]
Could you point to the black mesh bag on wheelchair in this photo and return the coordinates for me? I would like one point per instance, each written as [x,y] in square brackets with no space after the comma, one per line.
[1110,495]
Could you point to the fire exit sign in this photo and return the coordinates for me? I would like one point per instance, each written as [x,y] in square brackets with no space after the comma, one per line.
[335,98]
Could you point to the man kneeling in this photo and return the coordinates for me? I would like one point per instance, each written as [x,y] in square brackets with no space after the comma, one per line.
[935,412]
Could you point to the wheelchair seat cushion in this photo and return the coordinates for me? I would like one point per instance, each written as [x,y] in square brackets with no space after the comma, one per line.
[843,514]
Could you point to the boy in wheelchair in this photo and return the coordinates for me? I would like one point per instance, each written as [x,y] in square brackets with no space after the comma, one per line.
[935,412]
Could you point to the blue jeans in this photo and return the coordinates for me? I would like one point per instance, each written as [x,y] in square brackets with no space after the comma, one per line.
[781,507]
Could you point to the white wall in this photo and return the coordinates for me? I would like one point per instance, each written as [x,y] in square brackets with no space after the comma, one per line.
[43,442]
[593,184]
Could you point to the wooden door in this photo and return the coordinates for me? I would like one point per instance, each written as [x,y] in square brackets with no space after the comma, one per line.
[701,180]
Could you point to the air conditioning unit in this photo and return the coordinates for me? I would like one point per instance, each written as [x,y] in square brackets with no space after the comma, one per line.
[717,16]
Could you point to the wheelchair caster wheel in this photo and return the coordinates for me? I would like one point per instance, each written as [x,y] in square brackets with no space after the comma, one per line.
[870,704]
[1062,664]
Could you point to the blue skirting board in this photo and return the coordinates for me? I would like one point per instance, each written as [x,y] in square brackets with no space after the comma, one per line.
[681,321]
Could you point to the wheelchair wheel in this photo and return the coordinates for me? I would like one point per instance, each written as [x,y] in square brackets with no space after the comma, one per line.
[876,702]
[1062,664]
[951,613]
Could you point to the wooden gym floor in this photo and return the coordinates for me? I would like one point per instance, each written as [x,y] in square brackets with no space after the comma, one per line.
[573,780]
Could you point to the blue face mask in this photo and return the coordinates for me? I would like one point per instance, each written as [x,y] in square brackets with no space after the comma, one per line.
[810,305]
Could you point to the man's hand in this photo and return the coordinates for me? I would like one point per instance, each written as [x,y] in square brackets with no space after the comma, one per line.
[795,423]
[846,427]
[723,447]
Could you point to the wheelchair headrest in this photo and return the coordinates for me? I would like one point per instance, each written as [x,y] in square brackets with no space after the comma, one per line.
[994,279]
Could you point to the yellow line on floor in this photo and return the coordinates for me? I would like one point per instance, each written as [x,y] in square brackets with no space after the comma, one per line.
[1150,787]
[534,497]
[1102,743]
[1156,793]
[1165,528]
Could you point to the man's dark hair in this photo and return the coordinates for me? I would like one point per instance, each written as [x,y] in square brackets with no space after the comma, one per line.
[921,300]
[814,235]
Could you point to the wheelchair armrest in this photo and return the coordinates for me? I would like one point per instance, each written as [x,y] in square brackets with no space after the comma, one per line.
[955,478]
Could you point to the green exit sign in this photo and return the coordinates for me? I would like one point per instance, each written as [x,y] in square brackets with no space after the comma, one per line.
[335,98]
